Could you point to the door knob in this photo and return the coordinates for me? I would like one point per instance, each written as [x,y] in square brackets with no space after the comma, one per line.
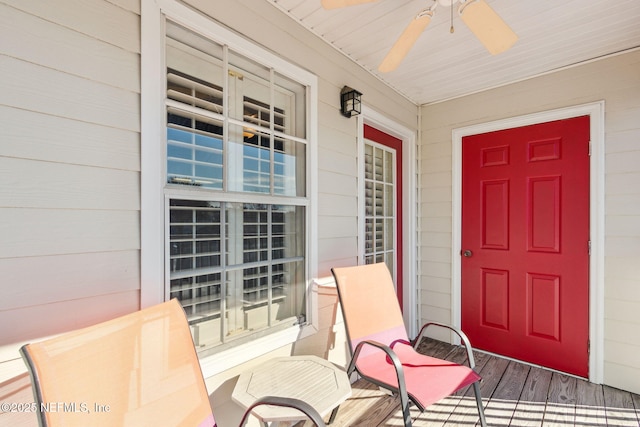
[467,253]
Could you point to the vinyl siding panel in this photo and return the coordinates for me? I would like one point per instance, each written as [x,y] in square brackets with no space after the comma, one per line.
[64,49]
[337,252]
[130,5]
[36,320]
[38,232]
[623,184]
[616,80]
[437,209]
[337,227]
[40,89]
[37,136]
[110,273]
[70,172]
[99,19]
[339,183]
[337,162]
[65,186]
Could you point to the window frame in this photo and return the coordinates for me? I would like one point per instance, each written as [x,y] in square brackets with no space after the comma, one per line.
[154,224]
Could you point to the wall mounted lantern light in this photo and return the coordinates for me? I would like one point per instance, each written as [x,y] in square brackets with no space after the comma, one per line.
[350,102]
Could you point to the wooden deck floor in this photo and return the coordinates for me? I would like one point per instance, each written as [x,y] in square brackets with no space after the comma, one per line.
[514,394]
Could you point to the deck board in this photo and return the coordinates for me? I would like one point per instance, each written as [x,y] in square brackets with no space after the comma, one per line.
[561,403]
[619,408]
[532,401]
[514,394]
[502,406]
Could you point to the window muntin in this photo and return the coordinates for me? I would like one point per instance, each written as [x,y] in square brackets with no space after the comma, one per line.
[236,253]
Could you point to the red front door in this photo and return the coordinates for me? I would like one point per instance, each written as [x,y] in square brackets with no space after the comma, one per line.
[525,243]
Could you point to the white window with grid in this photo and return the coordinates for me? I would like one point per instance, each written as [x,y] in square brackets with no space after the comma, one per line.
[237,199]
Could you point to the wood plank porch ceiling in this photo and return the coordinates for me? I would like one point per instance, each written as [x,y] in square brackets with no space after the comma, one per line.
[444,65]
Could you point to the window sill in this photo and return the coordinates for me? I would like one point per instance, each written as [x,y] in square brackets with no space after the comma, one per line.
[228,359]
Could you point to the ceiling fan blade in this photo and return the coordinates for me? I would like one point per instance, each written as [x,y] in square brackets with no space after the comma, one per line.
[334,4]
[487,26]
[405,42]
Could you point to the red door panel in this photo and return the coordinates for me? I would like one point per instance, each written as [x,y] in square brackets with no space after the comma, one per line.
[525,243]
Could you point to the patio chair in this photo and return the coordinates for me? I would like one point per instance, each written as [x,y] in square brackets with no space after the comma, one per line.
[381,351]
[140,369]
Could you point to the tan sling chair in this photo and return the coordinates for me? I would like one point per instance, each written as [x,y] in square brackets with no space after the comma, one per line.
[381,351]
[137,370]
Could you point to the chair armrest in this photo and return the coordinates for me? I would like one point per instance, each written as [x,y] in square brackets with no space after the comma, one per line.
[462,335]
[391,355]
[298,404]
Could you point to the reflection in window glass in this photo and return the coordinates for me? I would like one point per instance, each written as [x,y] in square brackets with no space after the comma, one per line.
[194,150]
[263,264]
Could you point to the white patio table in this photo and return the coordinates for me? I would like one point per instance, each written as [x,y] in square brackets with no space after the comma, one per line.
[311,379]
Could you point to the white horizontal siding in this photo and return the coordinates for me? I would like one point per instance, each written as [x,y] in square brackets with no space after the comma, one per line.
[49,319]
[332,250]
[437,299]
[436,209]
[99,19]
[36,88]
[339,183]
[615,80]
[338,162]
[337,226]
[336,205]
[76,276]
[37,232]
[29,135]
[69,168]
[63,49]
[130,5]
[38,184]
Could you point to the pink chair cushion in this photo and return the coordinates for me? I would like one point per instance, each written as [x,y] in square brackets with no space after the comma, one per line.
[428,379]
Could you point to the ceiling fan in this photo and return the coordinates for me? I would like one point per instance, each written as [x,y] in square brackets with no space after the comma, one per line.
[481,19]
